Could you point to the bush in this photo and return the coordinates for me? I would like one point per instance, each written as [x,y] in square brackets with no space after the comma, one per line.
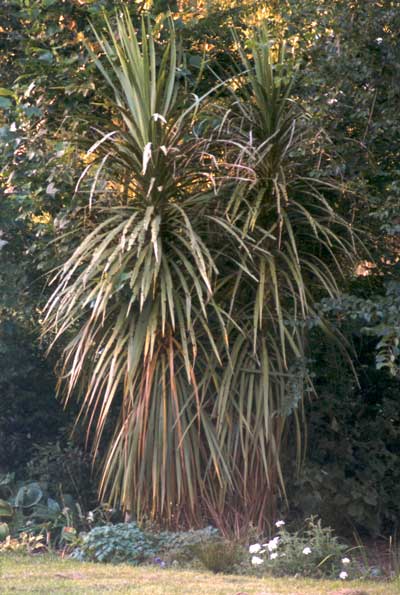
[123,542]
[219,555]
[29,411]
[314,552]
[27,508]
[349,480]
[183,545]
[126,542]
[65,468]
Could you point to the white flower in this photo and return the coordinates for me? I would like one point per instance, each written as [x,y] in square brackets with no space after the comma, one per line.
[343,575]
[345,560]
[332,101]
[273,555]
[255,548]
[279,524]
[51,189]
[379,40]
[159,117]
[307,551]
[256,561]
[273,544]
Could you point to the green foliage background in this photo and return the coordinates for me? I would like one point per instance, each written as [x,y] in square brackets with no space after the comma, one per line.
[350,83]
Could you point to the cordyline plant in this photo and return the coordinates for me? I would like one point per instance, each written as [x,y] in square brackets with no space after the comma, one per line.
[183,304]
[297,247]
[137,293]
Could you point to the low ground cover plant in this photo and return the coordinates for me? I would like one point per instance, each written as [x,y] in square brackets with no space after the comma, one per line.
[312,552]
[127,542]
[123,542]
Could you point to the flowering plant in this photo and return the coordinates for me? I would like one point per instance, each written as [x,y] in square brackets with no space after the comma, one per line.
[313,552]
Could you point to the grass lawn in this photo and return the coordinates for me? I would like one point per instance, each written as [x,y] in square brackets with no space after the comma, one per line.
[47,574]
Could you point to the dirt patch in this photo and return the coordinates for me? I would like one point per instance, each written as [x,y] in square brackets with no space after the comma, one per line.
[71,576]
[349,592]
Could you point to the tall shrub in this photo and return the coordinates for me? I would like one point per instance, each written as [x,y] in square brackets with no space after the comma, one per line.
[196,263]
